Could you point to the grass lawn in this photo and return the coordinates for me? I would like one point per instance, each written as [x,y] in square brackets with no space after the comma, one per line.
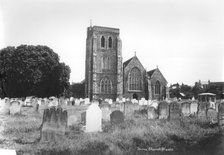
[21,132]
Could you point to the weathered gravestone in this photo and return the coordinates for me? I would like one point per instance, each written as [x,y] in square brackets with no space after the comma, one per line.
[106,113]
[72,120]
[174,111]
[194,108]
[116,117]
[221,115]
[5,107]
[163,110]
[54,124]
[93,118]
[151,112]
[186,108]
[212,115]
[202,107]
[15,108]
[129,108]
[83,118]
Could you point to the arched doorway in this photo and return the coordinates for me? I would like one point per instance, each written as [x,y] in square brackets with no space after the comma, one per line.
[135,96]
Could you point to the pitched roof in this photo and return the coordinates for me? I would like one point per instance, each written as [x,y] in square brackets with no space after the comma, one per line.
[127,62]
[151,72]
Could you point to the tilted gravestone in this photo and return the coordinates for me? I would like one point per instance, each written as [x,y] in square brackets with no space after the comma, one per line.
[15,108]
[194,108]
[174,111]
[93,118]
[212,115]
[54,124]
[186,108]
[116,117]
[163,110]
[221,115]
[151,112]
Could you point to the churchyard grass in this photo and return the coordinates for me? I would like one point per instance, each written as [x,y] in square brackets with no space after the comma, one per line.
[21,132]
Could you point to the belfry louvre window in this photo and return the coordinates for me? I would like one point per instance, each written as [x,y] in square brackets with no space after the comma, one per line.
[103,41]
[105,86]
[110,42]
[134,79]
[157,87]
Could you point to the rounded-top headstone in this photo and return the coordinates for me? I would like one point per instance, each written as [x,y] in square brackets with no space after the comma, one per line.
[116,117]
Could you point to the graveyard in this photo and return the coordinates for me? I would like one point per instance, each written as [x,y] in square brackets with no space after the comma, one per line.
[78,126]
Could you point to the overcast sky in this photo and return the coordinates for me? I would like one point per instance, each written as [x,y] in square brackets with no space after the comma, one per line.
[185,38]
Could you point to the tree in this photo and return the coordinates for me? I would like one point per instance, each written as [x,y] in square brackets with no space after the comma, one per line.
[32,70]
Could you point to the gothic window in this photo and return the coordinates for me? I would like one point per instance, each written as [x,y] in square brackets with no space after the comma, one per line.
[157,87]
[106,86]
[134,79]
[110,42]
[103,41]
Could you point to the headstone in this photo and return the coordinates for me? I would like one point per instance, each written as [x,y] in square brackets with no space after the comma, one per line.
[110,101]
[77,102]
[87,101]
[72,120]
[185,108]
[7,152]
[54,124]
[15,108]
[194,108]
[163,110]
[212,116]
[151,112]
[174,110]
[5,107]
[116,117]
[154,104]
[129,108]
[221,115]
[106,113]
[83,118]
[202,107]
[93,118]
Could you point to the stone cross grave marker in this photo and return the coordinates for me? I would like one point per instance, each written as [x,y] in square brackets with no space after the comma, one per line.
[93,118]
[54,124]
[163,110]
[116,117]
[174,111]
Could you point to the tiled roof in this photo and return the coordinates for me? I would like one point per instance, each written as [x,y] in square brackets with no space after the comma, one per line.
[151,72]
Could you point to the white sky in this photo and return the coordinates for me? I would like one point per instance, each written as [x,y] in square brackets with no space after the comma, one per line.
[185,38]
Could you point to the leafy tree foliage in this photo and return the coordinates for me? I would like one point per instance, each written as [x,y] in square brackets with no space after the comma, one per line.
[32,70]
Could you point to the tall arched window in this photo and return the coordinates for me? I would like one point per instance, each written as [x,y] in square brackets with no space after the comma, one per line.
[105,86]
[134,79]
[102,41]
[110,42]
[157,87]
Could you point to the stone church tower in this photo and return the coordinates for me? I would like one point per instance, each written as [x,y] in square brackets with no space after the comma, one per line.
[103,73]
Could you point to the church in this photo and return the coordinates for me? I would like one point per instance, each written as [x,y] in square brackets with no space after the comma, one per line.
[106,76]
